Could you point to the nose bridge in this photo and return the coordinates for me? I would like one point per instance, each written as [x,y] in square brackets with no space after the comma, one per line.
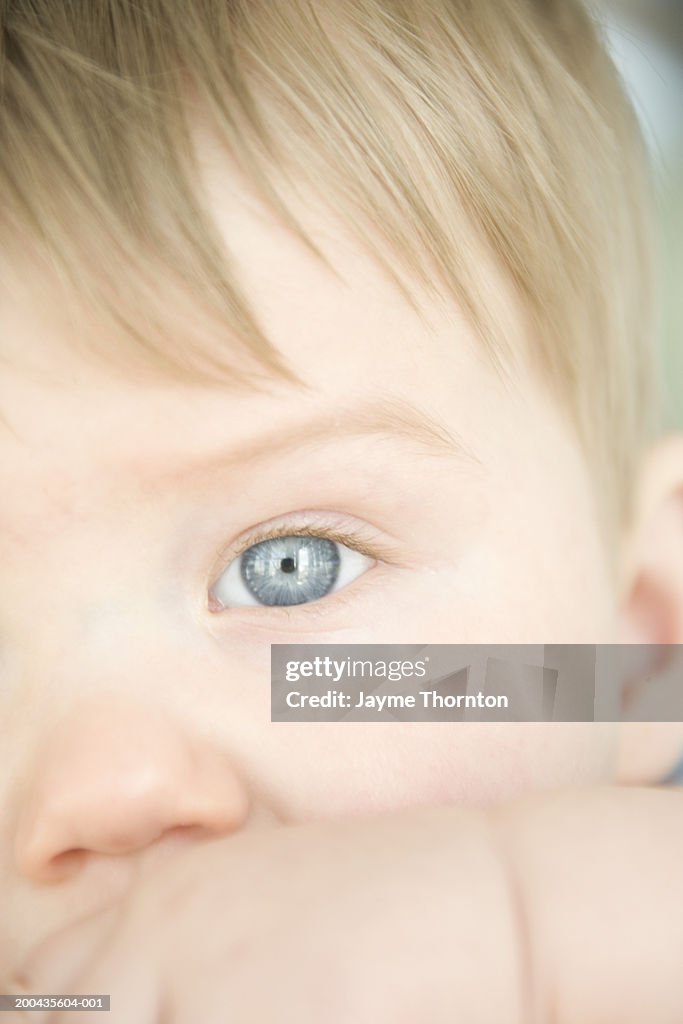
[116,775]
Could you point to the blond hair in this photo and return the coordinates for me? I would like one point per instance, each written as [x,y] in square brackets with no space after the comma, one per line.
[415,120]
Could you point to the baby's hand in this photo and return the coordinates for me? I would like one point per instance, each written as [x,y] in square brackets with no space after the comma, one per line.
[566,907]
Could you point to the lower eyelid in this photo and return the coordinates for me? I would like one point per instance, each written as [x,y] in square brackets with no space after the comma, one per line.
[274,617]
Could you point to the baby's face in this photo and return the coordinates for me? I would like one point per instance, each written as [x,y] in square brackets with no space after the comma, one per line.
[134,662]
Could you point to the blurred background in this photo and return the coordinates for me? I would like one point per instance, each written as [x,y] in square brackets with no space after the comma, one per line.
[646,39]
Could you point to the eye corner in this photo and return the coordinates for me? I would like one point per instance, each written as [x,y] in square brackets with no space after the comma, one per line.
[213,606]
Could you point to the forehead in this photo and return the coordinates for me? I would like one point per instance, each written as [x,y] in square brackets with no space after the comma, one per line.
[345,330]
[314,315]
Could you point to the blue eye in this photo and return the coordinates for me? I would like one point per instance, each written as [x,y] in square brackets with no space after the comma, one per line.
[288,570]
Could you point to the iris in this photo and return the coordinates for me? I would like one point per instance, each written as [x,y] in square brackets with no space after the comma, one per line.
[290,570]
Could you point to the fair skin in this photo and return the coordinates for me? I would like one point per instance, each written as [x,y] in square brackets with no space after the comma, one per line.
[117,498]
[562,907]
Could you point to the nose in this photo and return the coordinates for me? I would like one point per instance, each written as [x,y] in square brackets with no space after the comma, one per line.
[115,778]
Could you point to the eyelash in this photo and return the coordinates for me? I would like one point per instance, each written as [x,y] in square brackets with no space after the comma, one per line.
[338,536]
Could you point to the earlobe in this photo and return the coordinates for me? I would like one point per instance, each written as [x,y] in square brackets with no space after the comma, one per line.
[651,611]
[652,589]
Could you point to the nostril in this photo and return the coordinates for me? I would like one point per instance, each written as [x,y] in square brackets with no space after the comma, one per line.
[190,832]
[64,865]
[69,858]
[180,836]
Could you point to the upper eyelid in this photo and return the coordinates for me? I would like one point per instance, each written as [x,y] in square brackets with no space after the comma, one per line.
[305,531]
[374,547]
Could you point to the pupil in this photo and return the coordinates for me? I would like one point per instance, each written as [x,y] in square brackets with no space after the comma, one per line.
[287,565]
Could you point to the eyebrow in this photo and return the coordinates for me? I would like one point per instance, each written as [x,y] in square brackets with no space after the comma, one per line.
[383,418]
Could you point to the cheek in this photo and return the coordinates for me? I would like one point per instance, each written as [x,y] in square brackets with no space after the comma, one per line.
[547,559]
[478,762]
[512,586]
[383,768]
[533,568]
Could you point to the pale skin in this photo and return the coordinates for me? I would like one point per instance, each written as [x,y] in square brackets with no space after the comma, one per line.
[109,533]
[558,908]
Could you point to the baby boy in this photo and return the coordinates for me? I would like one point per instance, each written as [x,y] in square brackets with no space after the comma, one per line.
[326,323]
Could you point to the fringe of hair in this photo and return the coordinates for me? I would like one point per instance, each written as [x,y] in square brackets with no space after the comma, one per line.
[423,124]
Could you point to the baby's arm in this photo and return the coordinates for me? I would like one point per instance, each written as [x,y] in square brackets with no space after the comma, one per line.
[599,882]
[562,908]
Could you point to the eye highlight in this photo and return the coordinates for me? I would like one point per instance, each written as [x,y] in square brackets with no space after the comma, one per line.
[291,569]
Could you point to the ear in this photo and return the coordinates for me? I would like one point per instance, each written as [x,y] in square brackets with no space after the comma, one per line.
[651,603]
